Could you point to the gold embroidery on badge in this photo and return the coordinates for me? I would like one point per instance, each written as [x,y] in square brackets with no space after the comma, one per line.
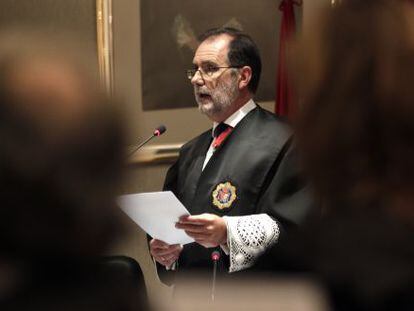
[224,195]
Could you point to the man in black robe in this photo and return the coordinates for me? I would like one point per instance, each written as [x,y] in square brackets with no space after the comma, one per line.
[239,180]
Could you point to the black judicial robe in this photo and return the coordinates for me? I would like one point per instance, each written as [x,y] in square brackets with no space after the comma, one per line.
[256,159]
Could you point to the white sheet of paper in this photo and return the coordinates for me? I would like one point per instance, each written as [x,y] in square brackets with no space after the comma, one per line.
[156,213]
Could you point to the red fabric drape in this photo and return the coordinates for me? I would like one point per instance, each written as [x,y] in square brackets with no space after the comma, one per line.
[284,102]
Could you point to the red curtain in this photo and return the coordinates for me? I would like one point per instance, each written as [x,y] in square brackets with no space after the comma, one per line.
[284,103]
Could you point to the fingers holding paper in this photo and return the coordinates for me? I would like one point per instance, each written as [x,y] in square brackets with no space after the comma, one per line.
[164,253]
[208,230]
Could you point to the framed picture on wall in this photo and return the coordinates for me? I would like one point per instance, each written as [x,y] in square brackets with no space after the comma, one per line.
[169,32]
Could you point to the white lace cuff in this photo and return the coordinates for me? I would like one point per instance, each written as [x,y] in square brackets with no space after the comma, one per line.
[248,237]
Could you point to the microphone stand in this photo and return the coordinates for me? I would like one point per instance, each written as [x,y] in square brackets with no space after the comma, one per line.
[213,290]
[215,256]
[157,132]
[140,145]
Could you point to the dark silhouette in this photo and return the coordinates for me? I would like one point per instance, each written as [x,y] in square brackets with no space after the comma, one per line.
[61,163]
[356,137]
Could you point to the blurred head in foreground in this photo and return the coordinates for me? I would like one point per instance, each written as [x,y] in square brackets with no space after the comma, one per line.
[60,158]
[356,131]
[356,137]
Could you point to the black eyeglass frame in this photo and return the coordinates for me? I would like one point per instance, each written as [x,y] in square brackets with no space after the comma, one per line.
[192,72]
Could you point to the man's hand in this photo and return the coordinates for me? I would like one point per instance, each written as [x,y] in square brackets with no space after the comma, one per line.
[208,230]
[164,253]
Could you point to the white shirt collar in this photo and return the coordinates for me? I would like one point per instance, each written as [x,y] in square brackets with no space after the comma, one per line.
[236,117]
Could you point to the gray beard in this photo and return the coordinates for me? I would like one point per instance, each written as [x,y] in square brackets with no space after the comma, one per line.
[221,99]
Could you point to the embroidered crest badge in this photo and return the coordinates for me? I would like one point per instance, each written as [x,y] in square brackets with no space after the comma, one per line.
[224,195]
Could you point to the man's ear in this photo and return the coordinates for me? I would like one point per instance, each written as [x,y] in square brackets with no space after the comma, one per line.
[245,77]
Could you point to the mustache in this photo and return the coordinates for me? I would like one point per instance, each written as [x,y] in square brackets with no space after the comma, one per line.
[200,91]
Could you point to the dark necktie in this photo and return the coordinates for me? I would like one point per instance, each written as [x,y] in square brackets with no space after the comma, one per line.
[220,134]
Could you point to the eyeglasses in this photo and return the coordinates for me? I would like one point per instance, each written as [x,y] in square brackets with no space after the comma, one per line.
[207,72]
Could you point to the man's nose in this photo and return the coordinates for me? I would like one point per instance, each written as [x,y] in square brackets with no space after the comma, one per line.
[197,78]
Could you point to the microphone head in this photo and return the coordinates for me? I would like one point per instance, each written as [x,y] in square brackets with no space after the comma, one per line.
[159,130]
[215,256]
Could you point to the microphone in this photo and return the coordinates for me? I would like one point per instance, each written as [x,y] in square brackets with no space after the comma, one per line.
[157,132]
[215,257]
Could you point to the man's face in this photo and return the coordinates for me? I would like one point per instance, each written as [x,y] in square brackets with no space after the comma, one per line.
[215,89]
